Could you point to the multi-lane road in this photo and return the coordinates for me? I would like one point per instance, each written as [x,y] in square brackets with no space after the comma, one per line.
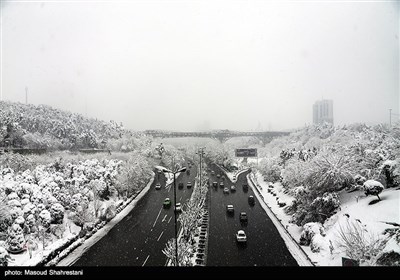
[139,238]
[264,246]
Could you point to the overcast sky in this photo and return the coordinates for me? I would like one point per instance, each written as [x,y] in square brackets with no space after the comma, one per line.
[190,65]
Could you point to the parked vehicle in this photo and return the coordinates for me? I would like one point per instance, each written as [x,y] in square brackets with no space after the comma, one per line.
[221,184]
[167,203]
[180,185]
[189,185]
[212,172]
[158,186]
[233,188]
[241,236]
[243,217]
[229,208]
[226,190]
[178,207]
[215,184]
[234,177]
[218,175]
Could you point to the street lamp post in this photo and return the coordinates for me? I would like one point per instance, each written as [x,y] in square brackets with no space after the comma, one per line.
[176,221]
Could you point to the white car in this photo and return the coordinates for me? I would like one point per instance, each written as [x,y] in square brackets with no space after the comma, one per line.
[241,236]
[233,188]
[158,186]
[178,207]
[229,208]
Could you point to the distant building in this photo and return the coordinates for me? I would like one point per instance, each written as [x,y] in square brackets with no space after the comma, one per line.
[323,111]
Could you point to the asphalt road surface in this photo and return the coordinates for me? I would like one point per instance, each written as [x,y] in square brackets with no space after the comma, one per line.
[139,238]
[264,246]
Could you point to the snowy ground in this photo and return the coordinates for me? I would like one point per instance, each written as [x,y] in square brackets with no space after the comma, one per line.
[23,259]
[233,175]
[354,204]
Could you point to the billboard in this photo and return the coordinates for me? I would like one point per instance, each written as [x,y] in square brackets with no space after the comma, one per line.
[246,152]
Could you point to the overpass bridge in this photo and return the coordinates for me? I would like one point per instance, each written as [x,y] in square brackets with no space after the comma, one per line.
[220,135]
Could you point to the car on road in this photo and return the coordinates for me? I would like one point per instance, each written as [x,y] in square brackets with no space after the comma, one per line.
[158,186]
[189,185]
[233,188]
[218,175]
[243,217]
[167,203]
[251,200]
[178,207]
[241,236]
[215,184]
[221,184]
[229,208]
[180,185]
[226,190]
[234,177]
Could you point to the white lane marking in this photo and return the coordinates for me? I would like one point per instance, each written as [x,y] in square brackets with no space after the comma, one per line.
[164,218]
[146,260]
[158,239]
[157,217]
[169,219]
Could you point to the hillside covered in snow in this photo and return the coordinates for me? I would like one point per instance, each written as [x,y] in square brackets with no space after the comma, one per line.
[337,189]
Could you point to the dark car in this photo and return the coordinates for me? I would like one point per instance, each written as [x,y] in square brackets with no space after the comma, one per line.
[243,217]
[167,203]
[180,185]
[252,201]
[188,172]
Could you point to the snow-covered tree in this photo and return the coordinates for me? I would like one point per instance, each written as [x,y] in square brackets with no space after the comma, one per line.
[15,238]
[4,257]
[372,187]
[309,231]
[57,213]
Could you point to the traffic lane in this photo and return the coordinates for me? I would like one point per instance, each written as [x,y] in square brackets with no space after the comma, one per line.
[118,247]
[263,237]
[148,223]
[165,226]
[223,250]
